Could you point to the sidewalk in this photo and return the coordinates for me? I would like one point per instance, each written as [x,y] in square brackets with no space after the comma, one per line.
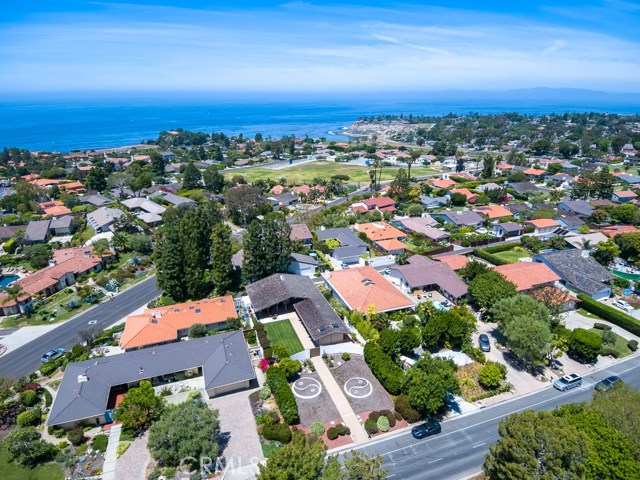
[109,468]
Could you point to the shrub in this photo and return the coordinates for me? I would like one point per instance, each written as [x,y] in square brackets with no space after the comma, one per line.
[47,368]
[608,337]
[267,418]
[29,418]
[621,282]
[492,374]
[28,398]
[374,416]
[585,343]
[388,373]
[265,393]
[609,352]
[601,326]
[277,432]
[317,428]
[283,395]
[346,357]
[343,429]
[383,424]
[403,406]
[398,416]
[371,426]
[100,443]
[121,448]
[76,436]
[617,317]
[267,353]
[47,397]
[50,429]
[332,433]
[489,257]
[633,345]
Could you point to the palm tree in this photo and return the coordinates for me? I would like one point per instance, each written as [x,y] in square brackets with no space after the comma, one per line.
[120,241]
[413,156]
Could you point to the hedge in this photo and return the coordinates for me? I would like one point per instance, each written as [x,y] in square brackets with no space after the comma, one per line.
[585,343]
[278,432]
[100,443]
[618,317]
[403,406]
[283,395]
[601,326]
[489,257]
[502,248]
[388,373]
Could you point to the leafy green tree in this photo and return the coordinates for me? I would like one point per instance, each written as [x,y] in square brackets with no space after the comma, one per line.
[198,330]
[429,382]
[302,459]
[408,340]
[489,288]
[137,183]
[186,431]
[158,163]
[141,244]
[241,203]
[606,252]
[585,343]
[289,367]
[221,253]
[399,187]
[626,213]
[537,446]
[25,447]
[472,269]
[388,341]
[37,255]
[604,183]
[96,179]
[359,466]
[505,310]
[191,177]
[267,247]
[213,180]
[492,374]
[567,149]
[120,241]
[448,329]
[169,260]
[458,199]
[140,407]
[528,337]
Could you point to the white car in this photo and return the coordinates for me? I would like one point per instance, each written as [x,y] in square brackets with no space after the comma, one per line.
[621,304]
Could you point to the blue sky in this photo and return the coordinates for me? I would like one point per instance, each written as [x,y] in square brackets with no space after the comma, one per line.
[314,46]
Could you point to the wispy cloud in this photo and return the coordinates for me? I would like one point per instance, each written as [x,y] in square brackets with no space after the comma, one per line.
[304,47]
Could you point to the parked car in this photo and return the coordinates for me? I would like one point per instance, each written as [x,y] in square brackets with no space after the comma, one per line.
[621,304]
[568,382]
[607,383]
[387,271]
[52,354]
[344,265]
[484,343]
[431,427]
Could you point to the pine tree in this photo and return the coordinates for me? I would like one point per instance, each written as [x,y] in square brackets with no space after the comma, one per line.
[191,177]
[170,265]
[267,247]
[221,268]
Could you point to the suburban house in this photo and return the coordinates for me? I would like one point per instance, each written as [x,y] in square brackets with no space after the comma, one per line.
[350,248]
[522,188]
[535,174]
[381,204]
[65,266]
[283,200]
[281,293]
[571,223]
[172,199]
[629,179]
[377,231]
[581,208]
[542,226]
[303,265]
[528,275]
[392,246]
[560,298]
[301,233]
[146,210]
[517,209]
[360,288]
[585,241]
[508,229]
[157,326]
[442,183]
[61,225]
[493,212]
[429,201]
[623,196]
[102,218]
[424,274]
[37,231]
[461,218]
[416,224]
[455,261]
[471,197]
[580,272]
[54,208]
[90,390]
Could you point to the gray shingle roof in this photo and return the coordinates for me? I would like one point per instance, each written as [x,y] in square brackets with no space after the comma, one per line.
[224,359]
[422,272]
[173,198]
[461,218]
[61,222]
[510,226]
[96,200]
[584,273]
[350,244]
[299,231]
[580,207]
[37,231]
[103,217]
[523,187]
[298,257]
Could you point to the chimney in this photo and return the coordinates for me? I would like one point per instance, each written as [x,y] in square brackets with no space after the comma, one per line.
[52,262]
[82,378]
[87,253]
[140,370]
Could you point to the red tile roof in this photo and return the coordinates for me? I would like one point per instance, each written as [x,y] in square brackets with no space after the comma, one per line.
[526,275]
[377,231]
[494,211]
[456,262]
[543,223]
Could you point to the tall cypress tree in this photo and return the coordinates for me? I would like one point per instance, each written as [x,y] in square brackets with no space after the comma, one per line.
[195,236]
[221,268]
[170,264]
[267,247]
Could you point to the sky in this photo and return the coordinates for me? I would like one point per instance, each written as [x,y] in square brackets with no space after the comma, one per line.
[356,46]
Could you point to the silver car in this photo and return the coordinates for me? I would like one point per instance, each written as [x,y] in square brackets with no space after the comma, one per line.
[568,382]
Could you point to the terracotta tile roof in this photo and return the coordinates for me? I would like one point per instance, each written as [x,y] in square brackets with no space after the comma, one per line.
[277,190]
[494,211]
[379,202]
[456,262]
[45,182]
[534,171]
[390,245]
[388,209]
[545,292]
[159,325]
[377,231]
[617,229]
[364,286]
[504,166]
[526,275]
[359,209]
[625,194]
[466,192]
[443,183]
[543,223]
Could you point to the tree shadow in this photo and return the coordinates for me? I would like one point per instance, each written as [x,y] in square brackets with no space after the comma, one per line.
[223,440]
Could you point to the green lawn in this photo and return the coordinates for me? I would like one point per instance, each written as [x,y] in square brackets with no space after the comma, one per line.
[308,171]
[282,332]
[620,345]
[11,471]
[511,256]
[584,313]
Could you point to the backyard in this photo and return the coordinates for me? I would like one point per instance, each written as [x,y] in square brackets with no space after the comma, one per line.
[282,332]
[11,471]
[325,170]
[512,256]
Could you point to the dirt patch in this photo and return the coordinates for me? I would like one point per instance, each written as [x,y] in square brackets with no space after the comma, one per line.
[364,392]
[313,400]
[341,441]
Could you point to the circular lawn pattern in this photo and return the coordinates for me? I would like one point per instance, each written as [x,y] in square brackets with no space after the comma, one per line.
[306,388]
[358,387]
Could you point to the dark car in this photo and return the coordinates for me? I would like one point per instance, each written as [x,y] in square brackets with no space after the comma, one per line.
[607,383]
[483,341]
[426,429]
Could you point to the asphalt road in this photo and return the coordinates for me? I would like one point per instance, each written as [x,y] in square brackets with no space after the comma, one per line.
[26,359]
[459,450]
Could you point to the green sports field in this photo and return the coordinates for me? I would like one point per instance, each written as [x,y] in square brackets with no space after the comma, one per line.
[282,332]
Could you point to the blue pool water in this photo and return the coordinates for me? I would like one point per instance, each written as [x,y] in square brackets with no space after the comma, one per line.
[7,279]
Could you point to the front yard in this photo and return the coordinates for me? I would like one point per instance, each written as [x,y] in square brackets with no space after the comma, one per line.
[11,471]
[282,332]
[619,345]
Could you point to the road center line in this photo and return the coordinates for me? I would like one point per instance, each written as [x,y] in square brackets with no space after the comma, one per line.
[436,460]
[479,445]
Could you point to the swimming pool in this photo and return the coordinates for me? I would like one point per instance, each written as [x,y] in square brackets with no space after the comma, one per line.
[7,279]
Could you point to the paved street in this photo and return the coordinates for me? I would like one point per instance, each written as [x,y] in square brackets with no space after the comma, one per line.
[460,449]
[26,359]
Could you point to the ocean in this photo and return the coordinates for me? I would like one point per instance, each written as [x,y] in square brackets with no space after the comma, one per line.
[66,125]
